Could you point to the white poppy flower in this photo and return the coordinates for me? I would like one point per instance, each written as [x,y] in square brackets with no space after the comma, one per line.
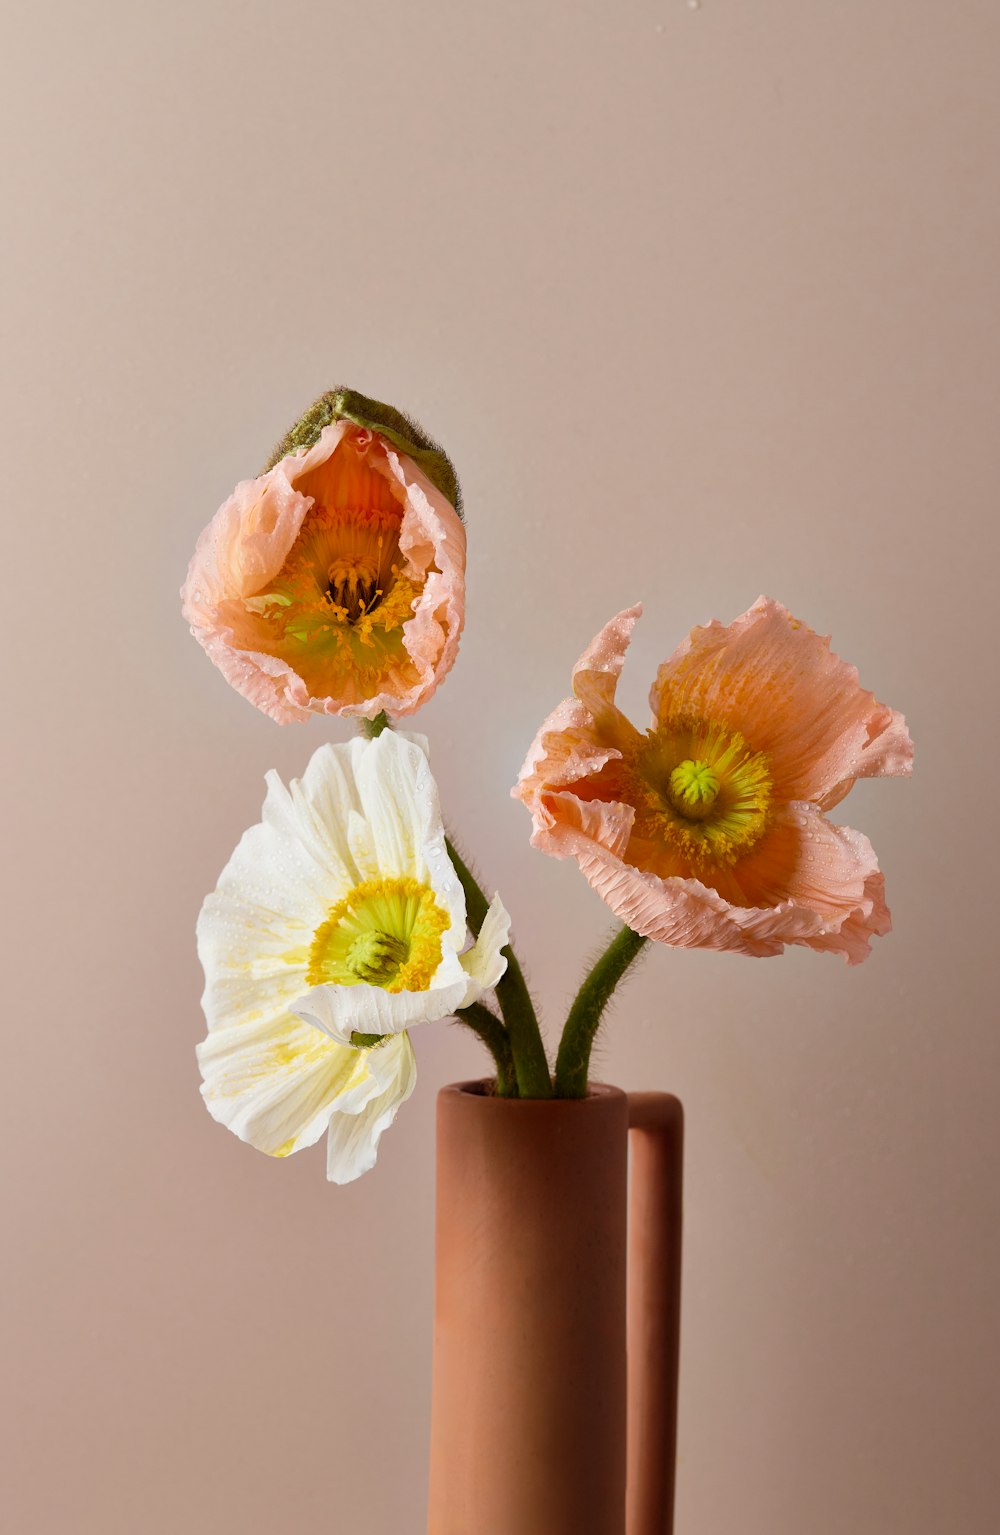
[338,915]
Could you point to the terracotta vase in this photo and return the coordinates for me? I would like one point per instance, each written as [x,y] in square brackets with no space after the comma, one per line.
[554,1400]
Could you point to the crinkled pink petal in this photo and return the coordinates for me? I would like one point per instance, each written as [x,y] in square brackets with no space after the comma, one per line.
[777,682]
[247,542]
[566,749]
[433,536]
[829,899]
[681,912]
[596,674]
[808,881]
[801,856]
[605,822]
[265,680]
[870,920]
[584,733]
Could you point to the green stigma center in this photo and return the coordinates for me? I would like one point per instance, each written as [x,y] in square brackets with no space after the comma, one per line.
[375,957]
[694,788]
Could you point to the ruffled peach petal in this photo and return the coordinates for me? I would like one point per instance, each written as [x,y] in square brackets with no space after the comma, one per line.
[596,674]
[567,748]
[433,543]
[871,919]
[777,682]
[584,733]
[560,818]
[248,540]
[267,682]
[802,857]
[888,753]
[810,883]
[681,912]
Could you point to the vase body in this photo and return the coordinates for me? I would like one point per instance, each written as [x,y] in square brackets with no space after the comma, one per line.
[531,1394]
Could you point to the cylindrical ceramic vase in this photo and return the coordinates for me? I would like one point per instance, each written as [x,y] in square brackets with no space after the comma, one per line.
[541,1417]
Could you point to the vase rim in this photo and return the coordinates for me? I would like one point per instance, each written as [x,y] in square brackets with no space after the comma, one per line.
[597,1092]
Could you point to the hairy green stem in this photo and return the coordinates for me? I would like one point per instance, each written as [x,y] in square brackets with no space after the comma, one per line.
[533,1077]
[573,1061]
[484,1022]
[375,727]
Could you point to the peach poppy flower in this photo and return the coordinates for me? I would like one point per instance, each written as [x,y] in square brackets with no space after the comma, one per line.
[334,583]
[708,830]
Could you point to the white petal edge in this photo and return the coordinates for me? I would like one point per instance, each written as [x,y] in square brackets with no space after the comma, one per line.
[484,963]
[354,1134]
[276,1084]
[341,1011]
[404,834]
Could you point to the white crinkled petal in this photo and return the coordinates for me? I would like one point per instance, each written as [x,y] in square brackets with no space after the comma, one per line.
[255,965]
[484,963]
[323,799]
[362,846]
[255,929]
[415,739]
[275,1084]
[404,833]
[341,1011]
[271,869]
[399,801]
[352,1143]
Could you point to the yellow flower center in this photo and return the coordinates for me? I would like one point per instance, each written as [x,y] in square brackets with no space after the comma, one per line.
[336,610]
[702,790]
[341,590]
[385,932]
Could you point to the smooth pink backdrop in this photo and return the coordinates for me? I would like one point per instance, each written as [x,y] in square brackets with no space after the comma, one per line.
[704,303]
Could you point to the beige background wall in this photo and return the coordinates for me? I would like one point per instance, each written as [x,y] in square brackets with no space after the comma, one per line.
[704,303]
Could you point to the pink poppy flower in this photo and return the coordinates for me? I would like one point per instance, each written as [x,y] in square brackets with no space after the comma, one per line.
[335,582]
[708,831]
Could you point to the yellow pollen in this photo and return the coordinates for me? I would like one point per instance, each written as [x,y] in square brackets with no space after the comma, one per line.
[700,791]
[337,608]
[385,932]
[694,789]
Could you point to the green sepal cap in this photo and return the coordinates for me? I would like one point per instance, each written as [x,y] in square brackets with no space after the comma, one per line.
[400,430]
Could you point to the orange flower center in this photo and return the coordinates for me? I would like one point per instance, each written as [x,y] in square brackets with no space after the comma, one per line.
[699,788]
[336,611]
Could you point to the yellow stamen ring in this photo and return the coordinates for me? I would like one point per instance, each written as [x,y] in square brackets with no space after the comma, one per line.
[385,932]
[701,790]
[342,597]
